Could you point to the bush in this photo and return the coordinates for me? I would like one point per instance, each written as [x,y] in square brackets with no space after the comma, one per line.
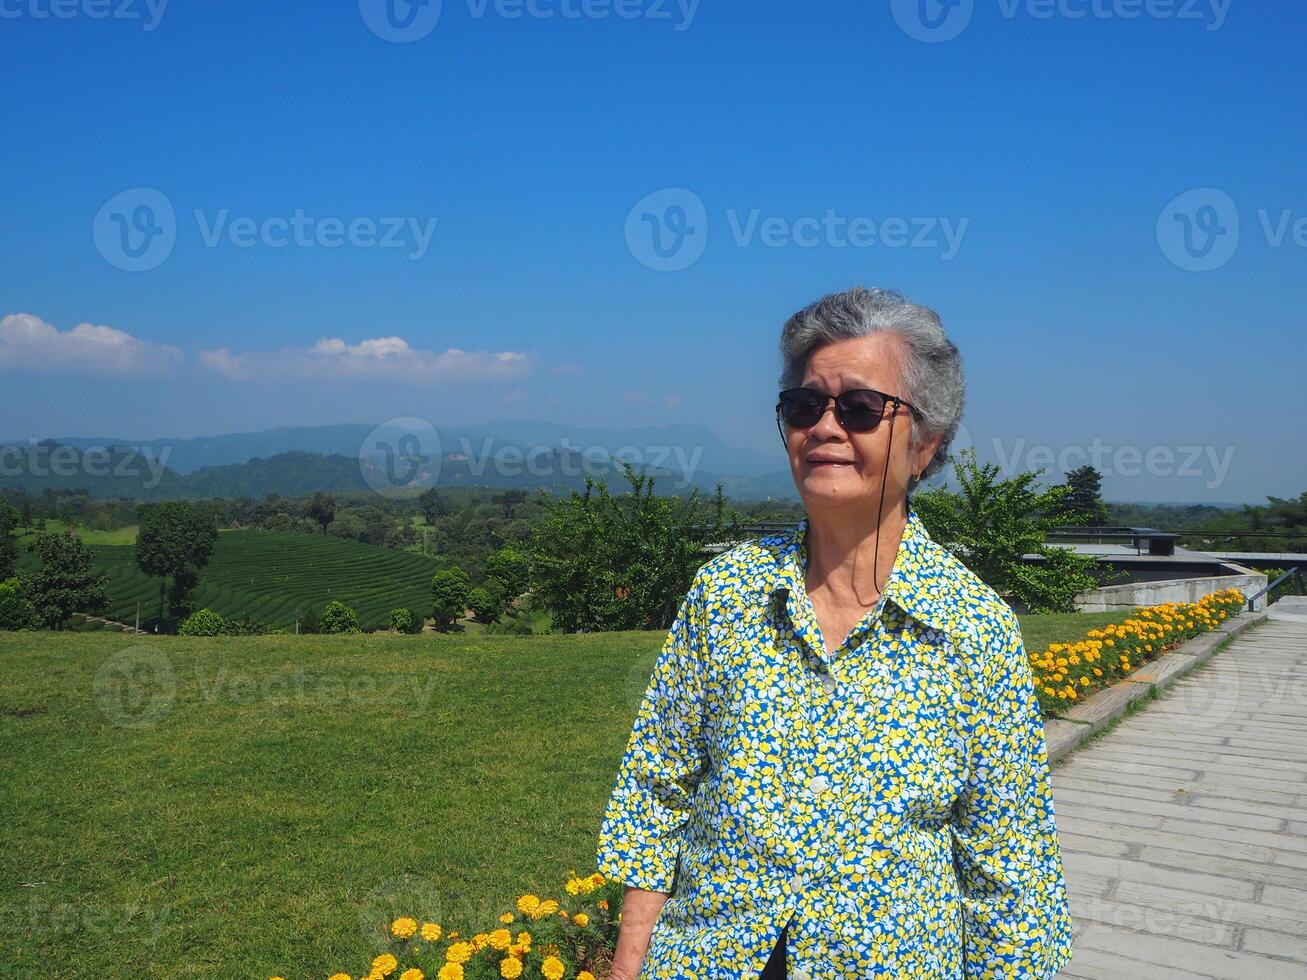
[401,620]
[245,626]
[203,622]
[487,601]
[338,618]
[450,591]
[16,613]
[309,621]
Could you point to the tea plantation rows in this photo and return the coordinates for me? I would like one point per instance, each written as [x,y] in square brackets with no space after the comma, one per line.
[267,575]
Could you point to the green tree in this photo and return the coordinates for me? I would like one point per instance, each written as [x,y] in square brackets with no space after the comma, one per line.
[487,601]
[9,519]
[990,524]
[338,618]
[511,569]
[432,505]
[16,612]
[67,581]
[1084,504]
[450,590]
[175,541]
[322,508]
[600,562]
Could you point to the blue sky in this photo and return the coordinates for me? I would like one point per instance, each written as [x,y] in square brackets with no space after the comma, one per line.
[1014,177]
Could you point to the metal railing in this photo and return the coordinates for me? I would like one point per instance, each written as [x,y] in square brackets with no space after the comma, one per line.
[1295,573]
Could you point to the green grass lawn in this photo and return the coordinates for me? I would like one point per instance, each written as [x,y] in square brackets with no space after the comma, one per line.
[251,807]
[118,535]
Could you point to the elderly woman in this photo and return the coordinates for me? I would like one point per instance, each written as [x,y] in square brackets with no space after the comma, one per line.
[838,769]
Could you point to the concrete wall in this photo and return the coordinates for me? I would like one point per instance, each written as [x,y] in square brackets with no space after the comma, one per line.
[1113,597]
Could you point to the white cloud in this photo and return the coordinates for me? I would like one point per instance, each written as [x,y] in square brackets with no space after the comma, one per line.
[378,359]
[28,343]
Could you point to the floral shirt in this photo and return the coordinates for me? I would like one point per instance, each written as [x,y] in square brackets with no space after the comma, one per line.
[889,798]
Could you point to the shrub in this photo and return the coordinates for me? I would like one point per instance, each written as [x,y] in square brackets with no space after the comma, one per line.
[338,618]
[16,613]
[450,590]
[487,601]
[203,622]
[401,620]
[245,626]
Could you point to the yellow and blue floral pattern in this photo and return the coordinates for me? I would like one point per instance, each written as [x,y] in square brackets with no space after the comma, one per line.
[890,799]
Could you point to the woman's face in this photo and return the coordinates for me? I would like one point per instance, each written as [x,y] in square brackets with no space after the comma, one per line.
[855,480]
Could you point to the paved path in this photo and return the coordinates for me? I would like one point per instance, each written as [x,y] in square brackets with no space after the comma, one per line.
[1184,829]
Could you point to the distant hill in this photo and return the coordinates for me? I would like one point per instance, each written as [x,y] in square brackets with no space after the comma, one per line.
[136,472]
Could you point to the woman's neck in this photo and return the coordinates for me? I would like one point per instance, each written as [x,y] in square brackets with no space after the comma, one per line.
[840,552]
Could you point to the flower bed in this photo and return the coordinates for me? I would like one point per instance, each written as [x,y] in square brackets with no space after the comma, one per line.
[543,938]
[1065,673]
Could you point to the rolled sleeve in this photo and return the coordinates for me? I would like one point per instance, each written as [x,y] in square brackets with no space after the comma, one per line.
[640,838]
[1005,845]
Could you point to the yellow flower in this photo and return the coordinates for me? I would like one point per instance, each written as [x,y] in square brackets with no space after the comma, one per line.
[582,920]
[547,907]
[585,975]
[552,968]
[385,964]
[339,976]
[430,931]
[506,917]
[527,904]
[459,952]
[403,928]
[500,939]
[413,974]
[510,968]
[450,971]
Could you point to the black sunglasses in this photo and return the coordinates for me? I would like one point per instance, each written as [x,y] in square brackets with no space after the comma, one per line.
[857,410]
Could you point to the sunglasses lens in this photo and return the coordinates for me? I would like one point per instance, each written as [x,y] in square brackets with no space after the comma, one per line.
[801,408]
[861,410]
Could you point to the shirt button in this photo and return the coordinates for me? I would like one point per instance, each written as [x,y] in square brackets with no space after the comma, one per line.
[819,784]
[800,975]
[797,883]
[828,684]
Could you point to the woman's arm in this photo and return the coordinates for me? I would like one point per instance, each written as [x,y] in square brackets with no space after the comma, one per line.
[640,910]
[640,839]
[1005,845]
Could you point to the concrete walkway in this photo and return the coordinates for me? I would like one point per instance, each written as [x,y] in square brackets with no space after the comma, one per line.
[1184,829]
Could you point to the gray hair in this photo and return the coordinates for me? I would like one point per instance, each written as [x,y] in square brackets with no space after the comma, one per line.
[932,368]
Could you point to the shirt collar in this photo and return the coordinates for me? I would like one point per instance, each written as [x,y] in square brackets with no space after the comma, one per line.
[921,583]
